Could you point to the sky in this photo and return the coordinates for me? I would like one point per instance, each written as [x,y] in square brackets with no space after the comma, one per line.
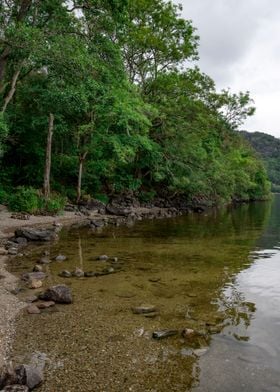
[240,49]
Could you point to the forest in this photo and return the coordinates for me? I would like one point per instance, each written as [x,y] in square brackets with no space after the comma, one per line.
[268,148]
[103,97]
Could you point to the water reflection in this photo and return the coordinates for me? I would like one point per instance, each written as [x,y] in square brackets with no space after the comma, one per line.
[194,269]
[253,365]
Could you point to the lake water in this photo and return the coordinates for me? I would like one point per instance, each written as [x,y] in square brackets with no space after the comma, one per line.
[217,273]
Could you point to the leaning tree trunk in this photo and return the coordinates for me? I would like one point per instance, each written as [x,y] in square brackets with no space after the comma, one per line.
[47,188]
[81,164]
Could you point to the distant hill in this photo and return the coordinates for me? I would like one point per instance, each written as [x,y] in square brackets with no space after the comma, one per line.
[269,149]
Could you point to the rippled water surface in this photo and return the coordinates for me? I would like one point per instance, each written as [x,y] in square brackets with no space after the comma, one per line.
[217,273]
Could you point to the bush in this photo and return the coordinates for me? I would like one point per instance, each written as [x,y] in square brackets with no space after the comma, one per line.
[24,199]
[55,203]
[3,196]
[28,199]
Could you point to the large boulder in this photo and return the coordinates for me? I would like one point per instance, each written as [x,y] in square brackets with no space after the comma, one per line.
[32,234]
[59,294]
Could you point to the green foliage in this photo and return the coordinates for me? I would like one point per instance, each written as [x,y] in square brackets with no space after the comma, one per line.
[268,147]
[24,199]
[126,111]
[53,204]
[30,200]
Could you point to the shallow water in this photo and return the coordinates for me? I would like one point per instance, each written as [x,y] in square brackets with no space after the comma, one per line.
[217,273]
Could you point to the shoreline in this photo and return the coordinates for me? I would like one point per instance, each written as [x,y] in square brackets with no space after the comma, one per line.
[9,302]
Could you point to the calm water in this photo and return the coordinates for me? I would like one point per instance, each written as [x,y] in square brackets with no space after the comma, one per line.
[218,274]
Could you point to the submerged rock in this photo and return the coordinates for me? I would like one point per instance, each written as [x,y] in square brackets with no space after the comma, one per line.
[45,305]
[188,333]
[59,294]
[165,333]
[37,268]
[35,284]
[90,274]
[78,273]
[33,276]
[60,258]
[65,274]
[143,309]
[33,309]
[44,260]
[103,258]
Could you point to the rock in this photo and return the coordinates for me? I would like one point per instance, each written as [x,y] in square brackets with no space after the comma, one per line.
[37,268]
[3,252]
[65,274]
[21,241]
[7,376]
[34,276]
[29,375]
[33,309]
[143,309]
[78,273]
[107,271]
[188,333]
[35,284]
[103,258]
[45,305]
[90,274]
[59,294]
[200,351]
[44,260]
[114,259]
[46,253]
[151,315]
[96,224]
[165,333]
[20,215]
[60,258]
[12,251]
[117,211]
[31,299]
[32,234]
[15,388]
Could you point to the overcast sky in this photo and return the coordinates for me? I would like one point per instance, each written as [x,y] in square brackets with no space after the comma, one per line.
[240,49]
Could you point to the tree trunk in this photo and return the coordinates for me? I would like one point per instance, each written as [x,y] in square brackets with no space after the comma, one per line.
[81,164]
[12,90]
[47,188]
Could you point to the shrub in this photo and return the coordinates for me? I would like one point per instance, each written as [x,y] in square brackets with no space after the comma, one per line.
[28,199]
[55,203]
[24,199]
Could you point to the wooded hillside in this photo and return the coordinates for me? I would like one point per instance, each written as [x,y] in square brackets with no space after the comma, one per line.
[268,147]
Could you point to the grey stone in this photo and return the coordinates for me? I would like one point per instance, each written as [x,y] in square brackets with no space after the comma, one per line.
[65,274]
[78,273]
[142,309]
[34,275]
[44,260]
[165,333]
[60,258]
[103,258]
[33,309]
[59,294]
[37,268]
[29,375]
[32,234]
